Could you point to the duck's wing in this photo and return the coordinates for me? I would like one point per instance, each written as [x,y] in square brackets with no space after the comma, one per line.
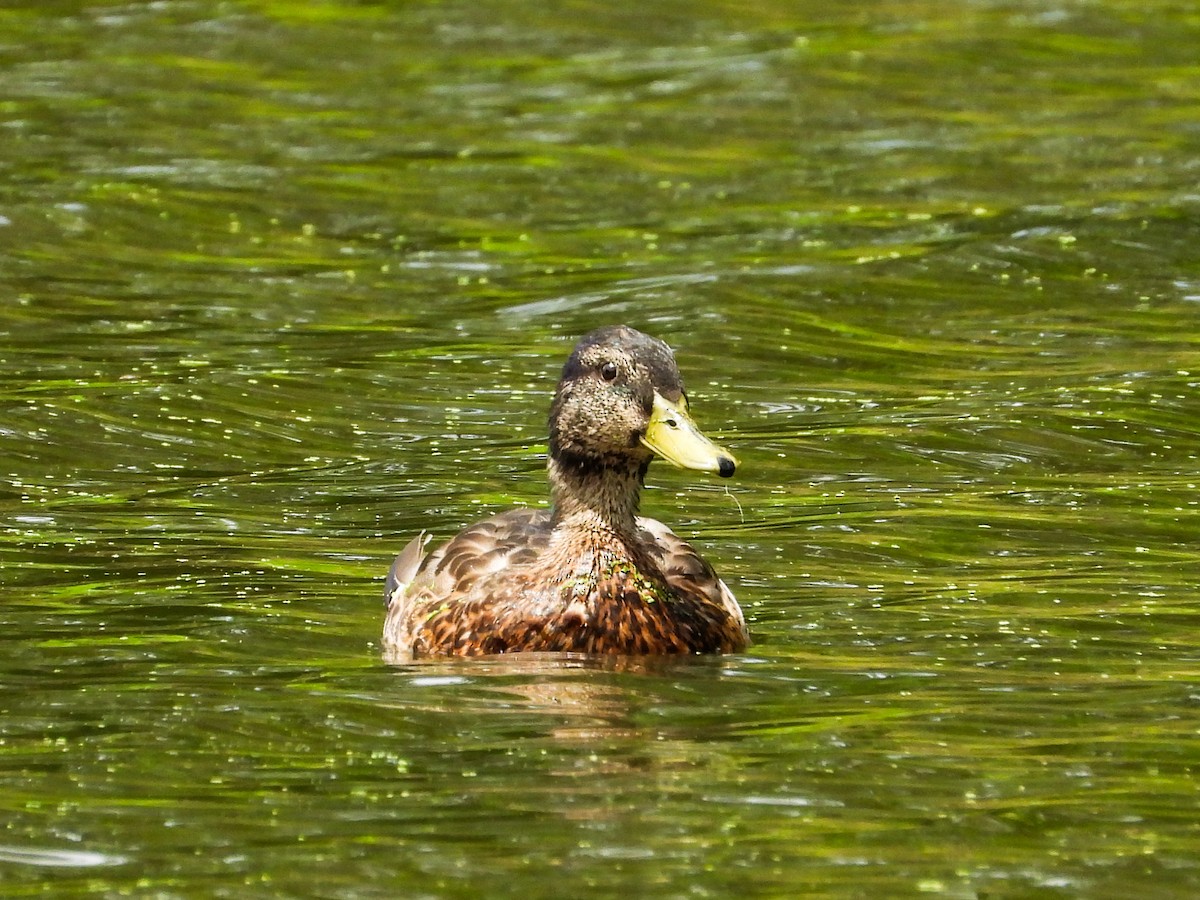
[447,578]
[405,568]
[486,548]
[688,572]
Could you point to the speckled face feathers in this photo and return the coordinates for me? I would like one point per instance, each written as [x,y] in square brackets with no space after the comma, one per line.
[606,395]
[653,357]
[620,402]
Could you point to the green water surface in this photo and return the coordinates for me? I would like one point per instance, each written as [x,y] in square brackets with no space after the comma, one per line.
[282,284]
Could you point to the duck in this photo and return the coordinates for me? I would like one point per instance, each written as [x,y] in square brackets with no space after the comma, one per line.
[588,575]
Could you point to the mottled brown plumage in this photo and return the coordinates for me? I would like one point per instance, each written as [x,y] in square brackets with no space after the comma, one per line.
[588,575]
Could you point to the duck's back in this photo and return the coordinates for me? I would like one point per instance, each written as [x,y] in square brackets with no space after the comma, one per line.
[511,583]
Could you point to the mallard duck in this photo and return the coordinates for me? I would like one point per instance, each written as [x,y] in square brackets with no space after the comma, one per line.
[588,575]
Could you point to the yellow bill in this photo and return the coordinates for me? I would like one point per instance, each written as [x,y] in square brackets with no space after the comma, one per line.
[673,435]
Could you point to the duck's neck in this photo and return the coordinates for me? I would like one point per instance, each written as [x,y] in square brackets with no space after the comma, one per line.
[595,498]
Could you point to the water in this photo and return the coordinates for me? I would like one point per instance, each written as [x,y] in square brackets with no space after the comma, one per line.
[285,283]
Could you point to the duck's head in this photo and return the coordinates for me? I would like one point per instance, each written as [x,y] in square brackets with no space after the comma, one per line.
[620,402]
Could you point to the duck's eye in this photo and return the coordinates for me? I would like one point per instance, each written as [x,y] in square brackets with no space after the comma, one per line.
[608,371]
